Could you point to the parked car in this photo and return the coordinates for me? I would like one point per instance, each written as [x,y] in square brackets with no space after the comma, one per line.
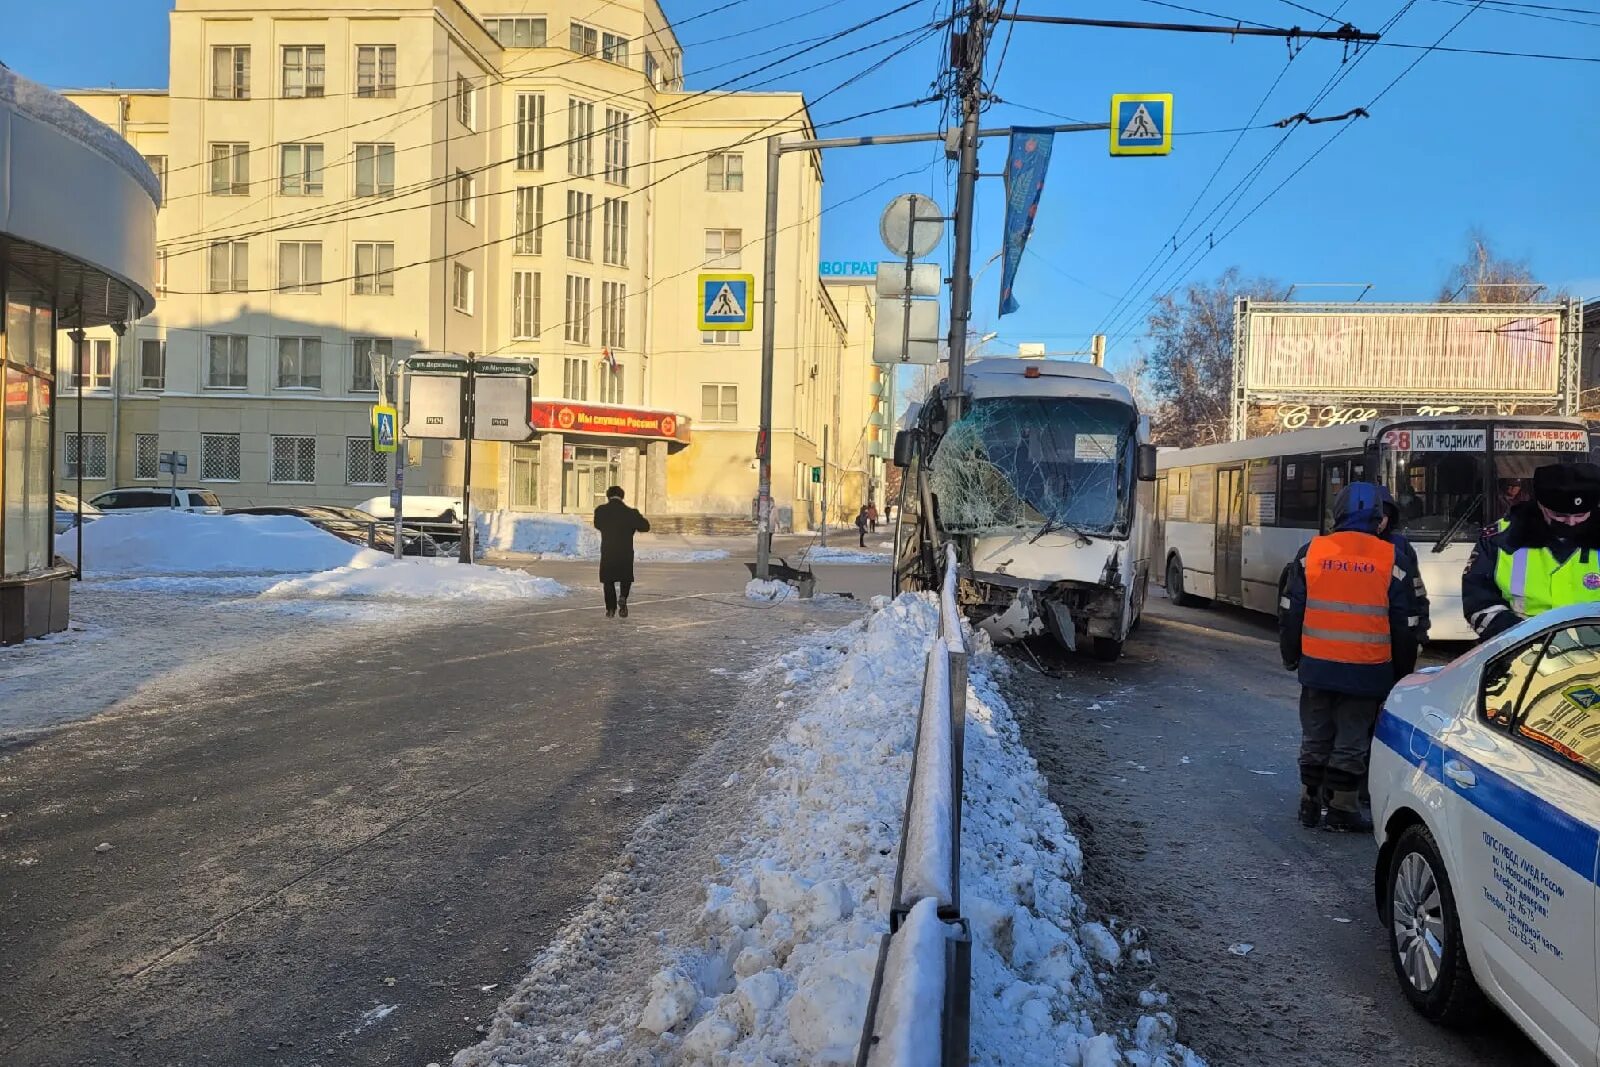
[1486,802]
[67,508]
[433,508]
[159,498]
[349,524]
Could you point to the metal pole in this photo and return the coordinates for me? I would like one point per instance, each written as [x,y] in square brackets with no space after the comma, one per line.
[769,328]
[398,503]
[966,190]
[466,467]
[824,483]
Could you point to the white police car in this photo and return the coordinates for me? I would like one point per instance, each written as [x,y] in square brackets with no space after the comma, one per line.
[1486,802]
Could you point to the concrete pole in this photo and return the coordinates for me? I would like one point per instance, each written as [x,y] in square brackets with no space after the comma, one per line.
[769,328]
[966,191]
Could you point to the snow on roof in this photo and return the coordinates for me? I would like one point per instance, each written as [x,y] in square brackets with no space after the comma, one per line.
[50,107]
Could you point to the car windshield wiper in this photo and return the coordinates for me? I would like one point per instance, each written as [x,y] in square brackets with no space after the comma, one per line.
[1455,527]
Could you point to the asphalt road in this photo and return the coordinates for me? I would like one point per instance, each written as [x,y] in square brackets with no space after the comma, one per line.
[337,860]
[1176,768]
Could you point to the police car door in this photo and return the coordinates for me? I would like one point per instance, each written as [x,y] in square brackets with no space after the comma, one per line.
[1525,802]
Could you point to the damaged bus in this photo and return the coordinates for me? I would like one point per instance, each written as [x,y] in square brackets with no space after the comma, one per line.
[1045,486]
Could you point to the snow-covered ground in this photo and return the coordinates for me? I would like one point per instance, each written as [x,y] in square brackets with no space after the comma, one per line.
[572,537]
[881,553]
[743,925]
[179,542]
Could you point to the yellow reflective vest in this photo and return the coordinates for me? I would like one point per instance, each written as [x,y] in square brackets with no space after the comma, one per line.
[1533,582]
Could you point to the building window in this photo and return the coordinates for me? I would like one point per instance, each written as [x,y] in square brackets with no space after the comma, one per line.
[161,270]
[530,220]
[375,268]
[580,128]
[461,288]
[374,169]
[152,364]
[585,40]
[299,363]
[375,70]
[577,311]
[616,146]
[363,375]
[227,362]
[466,197]
[466,103]
[614,226]
[294,459]
[614,49]
[90,447]
[575,378]
[219,457]
[92,368]
[614,314]
[301,173]
[303,70]
[525,305]
[363,466]
[230,72]
[722,247]
[719,337]
[230,169]
[609,373]
[530,131]
[229,266]
[725,172]
[517,32]
[146,456]
[580,225]
[300,266]
[650,67]
[158,166]
[719,403]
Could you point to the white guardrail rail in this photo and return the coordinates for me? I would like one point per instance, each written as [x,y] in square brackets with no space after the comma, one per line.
[918,1014]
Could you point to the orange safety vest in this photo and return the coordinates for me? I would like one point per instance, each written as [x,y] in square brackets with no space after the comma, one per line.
[1347,598]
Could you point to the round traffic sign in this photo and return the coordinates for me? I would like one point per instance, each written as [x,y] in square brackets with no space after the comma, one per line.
[912,225]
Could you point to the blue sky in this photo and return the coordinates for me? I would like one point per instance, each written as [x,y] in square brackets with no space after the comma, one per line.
[1463,141]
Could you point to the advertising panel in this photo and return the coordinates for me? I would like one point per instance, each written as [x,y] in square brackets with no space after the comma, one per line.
[563,416]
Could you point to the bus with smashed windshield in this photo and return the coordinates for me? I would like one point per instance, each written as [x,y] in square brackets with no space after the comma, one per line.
[1044,485]
[1230,517]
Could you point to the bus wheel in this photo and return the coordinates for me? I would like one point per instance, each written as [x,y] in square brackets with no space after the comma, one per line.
[1175,591]
[1107,649]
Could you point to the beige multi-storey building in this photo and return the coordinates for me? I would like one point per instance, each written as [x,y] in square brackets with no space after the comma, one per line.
[345,187]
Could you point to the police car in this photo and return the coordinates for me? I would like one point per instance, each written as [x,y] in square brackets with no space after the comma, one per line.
[1486,801]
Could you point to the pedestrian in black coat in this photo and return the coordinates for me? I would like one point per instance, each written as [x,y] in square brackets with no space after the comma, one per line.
[617,523]
[861,525]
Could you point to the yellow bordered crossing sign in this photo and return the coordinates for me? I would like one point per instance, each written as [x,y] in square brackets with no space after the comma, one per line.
[726,301]
[1141,124]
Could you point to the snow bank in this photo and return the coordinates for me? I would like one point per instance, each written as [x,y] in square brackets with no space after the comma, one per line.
[571,537]
[929,849]
[419,579]
[179,542]
[833,554]
[770,589]
[913,992]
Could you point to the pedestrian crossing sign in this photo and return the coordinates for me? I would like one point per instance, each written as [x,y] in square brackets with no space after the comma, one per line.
[384,421]
[1141,124]
[725,301]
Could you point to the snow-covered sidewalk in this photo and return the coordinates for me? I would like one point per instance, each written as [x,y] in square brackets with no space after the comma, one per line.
[573,537]
[766,955]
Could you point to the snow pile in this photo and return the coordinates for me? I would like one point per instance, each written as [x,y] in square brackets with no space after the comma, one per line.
[832,554]
[770,589]
[570,537]
[180,542]
[418,579]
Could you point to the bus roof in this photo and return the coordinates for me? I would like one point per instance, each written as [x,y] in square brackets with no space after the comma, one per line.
[1051,377]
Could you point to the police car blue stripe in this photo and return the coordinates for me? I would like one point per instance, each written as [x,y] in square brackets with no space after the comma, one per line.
[1571,842]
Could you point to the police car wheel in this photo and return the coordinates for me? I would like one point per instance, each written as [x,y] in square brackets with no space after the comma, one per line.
[1425,942]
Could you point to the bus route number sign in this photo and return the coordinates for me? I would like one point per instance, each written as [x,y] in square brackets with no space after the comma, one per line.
[1437,440]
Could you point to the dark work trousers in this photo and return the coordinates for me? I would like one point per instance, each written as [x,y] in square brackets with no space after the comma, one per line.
[611,593]
[1335,737]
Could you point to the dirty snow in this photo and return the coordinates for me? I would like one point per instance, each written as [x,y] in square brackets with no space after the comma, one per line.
[769,589]
[835,554]
[571,537]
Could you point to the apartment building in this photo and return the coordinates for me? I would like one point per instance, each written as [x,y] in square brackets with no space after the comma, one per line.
[345,187]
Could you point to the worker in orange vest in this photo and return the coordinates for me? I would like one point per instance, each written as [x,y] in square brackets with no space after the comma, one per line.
[1345,611]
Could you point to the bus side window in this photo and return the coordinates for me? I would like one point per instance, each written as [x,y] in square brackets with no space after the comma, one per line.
[1300,498]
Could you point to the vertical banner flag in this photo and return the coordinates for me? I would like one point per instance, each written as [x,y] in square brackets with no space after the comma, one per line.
[1026,163]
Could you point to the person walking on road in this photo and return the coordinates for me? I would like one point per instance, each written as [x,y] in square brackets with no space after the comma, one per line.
[1544,554]
[861,525]
[872,517]
[1344,610]
[617,523]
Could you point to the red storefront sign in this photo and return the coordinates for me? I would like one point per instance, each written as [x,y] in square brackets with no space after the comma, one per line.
[563,416]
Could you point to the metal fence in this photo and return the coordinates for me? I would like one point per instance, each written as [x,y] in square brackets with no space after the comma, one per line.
[918,1013]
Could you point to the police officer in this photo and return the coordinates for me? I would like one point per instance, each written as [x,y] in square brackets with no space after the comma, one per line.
[1345,610]
[1545,553]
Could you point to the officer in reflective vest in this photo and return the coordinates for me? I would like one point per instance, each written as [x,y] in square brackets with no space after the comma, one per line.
[1544,554]
[1345,608]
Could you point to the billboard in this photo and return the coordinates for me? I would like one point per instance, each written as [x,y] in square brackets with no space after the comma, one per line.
[566,416]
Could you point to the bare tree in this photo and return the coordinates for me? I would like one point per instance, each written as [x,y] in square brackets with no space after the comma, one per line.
[1486,278]
[1188,360]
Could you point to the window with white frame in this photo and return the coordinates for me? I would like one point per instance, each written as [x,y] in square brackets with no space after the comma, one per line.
[230,169]
[530,220]
[584,40]
[610,374]
[299,363]
[304,70]
[461,288]
[374,268]
[614,49]
[722,247]
[92,368]
[230,72]
[219,457]
[530,131]
[89,448]
[525,305]
[719,337]
[651,67]
[301,172]
[580,225]
[577,311]
[161,270]
[363,466]
[725,172]
[374,169]
[466,103]
[375,70]
[158,166]
[300,266]
[466,197]
[363,374]
[580,132]
[229,266]
[227,361]
[719,403]
[575,378]
[146,456]
[616,170]
[614,227]
[614,314]
[517,32]
[152,364]
[294,459]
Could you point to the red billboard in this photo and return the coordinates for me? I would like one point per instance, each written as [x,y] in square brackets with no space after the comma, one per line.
[567,416]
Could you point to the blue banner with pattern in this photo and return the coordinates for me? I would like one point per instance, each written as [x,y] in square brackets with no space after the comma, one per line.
[1026,164]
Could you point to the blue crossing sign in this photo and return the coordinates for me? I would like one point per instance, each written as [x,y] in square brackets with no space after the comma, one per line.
[725,302]
[1141,124]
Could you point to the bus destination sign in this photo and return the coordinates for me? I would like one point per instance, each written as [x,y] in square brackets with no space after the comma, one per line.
[1540,439]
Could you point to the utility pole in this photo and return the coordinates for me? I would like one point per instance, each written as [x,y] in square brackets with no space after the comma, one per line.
[769,334]
[969,46]
[465,555]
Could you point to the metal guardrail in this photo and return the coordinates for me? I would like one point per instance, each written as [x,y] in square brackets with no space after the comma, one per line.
[919,1010]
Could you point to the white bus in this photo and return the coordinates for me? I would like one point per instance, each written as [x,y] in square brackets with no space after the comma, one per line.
[1230,517]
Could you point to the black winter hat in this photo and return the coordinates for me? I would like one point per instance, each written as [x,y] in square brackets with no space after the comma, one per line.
[1568,488]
